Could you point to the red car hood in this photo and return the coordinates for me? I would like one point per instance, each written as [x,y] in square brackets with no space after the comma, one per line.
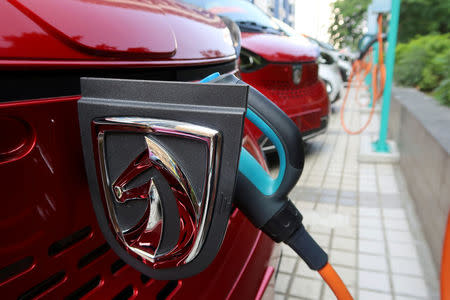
[106,29]
[277,48]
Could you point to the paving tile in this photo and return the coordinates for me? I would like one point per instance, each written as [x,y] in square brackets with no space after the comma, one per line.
[348,194]
[369,212]
[374,281]
[409,286]
[281,284]
[406,250]
[371,295]
[328,293]
[372,262]
[399,236]
[395,213]
[347,210]
[406,266]
[287,251]
[279,296]
[302,205]
[343,243]
[391,204]
[287,264]
[368,222]
[317,228]
[304,271]
[397,224]
[305,287]
[399,297]
[368,196]
[322,239]
[307,197]
[343,258]
[358,211]
[372,247]
[326,207]
[328,199]
[329,192]
[371,234]
[346,231]
[348,275]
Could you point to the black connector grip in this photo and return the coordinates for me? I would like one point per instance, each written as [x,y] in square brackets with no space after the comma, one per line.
[284,223]
[307,248]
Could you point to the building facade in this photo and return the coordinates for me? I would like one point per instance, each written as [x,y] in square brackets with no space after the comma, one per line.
[280,9]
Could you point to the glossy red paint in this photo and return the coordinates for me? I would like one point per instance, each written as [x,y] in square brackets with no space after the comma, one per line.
[306,103]
[265,282]
[134,33]
[51,245]
[48,201]
[18,139]
[279,48]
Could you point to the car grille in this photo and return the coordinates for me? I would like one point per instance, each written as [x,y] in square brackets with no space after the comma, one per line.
[82,257]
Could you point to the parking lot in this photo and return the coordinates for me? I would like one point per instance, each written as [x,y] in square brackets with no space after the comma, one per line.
[362,214]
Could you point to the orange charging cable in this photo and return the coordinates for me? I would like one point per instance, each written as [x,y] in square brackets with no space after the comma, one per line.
[335,283]
[445,264]
[378,71]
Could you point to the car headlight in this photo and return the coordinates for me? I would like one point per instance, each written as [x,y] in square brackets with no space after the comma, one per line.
[250,62]
[235,33]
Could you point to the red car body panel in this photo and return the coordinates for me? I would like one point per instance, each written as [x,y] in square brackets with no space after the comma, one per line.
[131,33]
[51,244]
[279,48]
[305,103]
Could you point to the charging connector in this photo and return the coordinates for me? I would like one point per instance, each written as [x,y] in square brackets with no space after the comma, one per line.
[264,200]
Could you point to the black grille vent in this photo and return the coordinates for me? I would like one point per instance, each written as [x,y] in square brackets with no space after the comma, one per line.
[125,294]
[117,265]
[63,244]
[15,269]
[93,255]
[43,286]
[84,289]
[165,291]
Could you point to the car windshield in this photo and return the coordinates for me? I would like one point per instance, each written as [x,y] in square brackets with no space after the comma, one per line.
[244,13]
[322,44]
[288,30]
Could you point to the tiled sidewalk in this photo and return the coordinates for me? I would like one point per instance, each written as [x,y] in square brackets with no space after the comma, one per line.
[364,218]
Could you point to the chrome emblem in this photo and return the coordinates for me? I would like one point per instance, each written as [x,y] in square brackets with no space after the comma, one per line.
[296,74]
[174,222]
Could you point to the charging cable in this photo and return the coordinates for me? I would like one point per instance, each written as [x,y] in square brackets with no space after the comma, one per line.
[264,199]
[378,72]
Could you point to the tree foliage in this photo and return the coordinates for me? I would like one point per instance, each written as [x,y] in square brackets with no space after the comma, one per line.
[421,17]
[417,17]
[347,27]
[424,63]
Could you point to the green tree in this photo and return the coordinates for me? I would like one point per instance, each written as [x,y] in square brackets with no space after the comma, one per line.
[348,15]
[417,17]
[421,17]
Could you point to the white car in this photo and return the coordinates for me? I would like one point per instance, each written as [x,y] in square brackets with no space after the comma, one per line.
[329,72]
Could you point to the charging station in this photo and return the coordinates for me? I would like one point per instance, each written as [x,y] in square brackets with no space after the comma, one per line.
[373,148]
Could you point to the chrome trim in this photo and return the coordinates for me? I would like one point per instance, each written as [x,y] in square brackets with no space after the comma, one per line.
[203,208]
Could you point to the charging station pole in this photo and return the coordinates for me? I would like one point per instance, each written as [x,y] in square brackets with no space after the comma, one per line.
[375,62]
[381,145]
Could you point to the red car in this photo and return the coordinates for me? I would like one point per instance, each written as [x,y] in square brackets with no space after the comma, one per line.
[52,246]
[284,69]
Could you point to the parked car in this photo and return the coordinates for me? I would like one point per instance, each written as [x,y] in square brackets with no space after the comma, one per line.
[343,60]
[329,70]
[52,246]
[284,69]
